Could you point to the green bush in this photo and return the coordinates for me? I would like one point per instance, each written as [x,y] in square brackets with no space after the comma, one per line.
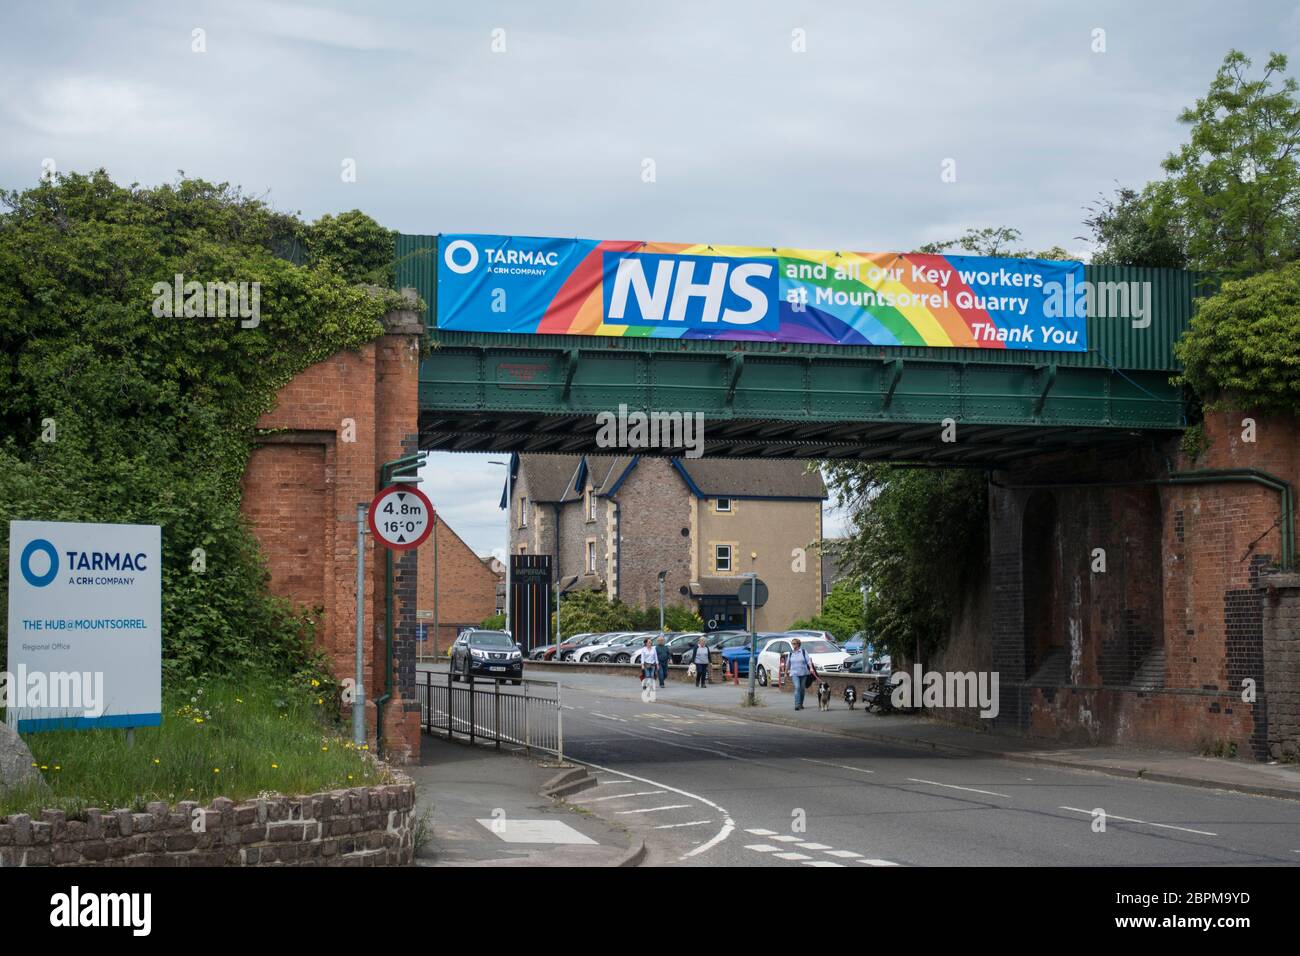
[153,419]
[1243,344]
[843,612]
[583,612]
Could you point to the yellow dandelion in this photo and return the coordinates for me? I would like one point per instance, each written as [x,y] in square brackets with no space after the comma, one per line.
[156,760]
[45,767]
[315,682]
[216,770]
[275,766]
[324,748]
[57,767]
[320,700]
[198,720]
[239,700]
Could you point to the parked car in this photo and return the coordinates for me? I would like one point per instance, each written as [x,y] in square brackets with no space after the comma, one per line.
[571,644]
[826,656]
[488,654]
[735,649]
[616,645]
[858,643]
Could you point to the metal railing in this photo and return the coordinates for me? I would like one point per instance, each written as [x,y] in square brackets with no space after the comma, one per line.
[528,715]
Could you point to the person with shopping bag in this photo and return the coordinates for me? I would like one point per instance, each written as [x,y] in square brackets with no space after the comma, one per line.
[700,662]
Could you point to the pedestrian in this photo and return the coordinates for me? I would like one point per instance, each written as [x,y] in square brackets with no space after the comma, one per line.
[802,672]
[649,660]
[701,661]
[663,656]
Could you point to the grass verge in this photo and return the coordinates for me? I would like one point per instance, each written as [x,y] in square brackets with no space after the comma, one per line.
[226,738]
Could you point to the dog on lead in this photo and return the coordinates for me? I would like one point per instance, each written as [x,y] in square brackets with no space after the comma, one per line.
[823,696]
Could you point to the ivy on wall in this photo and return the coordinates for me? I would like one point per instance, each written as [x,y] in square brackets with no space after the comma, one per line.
[111,413]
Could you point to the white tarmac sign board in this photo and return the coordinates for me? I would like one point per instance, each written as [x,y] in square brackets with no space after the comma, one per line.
[85,625]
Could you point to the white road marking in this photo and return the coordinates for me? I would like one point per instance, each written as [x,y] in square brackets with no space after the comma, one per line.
[953,786]
[728,824]
[612,783]
[621,720]
[1145,823]
[758,832]
[674,826]
[785,838]
[536,831]
[622,796]
[843,854]
[878,862]
[674,806]
[821,863]
[842,766]
[793,856]
[812,846]
[679,733]
[762,847]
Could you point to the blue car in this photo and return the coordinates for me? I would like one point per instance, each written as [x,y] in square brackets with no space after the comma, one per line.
[735,650]
[858,644]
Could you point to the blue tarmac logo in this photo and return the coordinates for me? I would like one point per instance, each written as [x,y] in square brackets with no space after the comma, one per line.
[25,563]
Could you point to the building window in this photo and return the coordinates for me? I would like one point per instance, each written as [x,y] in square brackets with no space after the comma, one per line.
[722,558]
[724,505]
[591,506]
[591,556]
[523,512]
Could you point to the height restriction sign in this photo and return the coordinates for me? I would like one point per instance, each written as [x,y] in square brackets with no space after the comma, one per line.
[401,517]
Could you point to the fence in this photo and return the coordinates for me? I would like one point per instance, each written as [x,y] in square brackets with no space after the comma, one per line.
[528,715]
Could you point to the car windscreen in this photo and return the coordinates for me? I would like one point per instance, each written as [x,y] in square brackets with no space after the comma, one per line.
[491,639]
[819,647]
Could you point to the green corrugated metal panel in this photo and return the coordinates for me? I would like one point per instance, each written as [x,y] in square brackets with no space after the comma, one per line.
[1112,342]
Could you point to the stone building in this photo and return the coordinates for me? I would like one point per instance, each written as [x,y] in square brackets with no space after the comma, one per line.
[615,522]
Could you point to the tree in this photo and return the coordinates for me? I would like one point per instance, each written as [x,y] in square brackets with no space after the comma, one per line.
[112,413]
[843,612]
[1233,189]
[1130,230]
[992,242]
[919,540]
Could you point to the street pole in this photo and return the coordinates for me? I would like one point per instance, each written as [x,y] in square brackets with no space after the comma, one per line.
[753,636]
[662,575]
[510,504]
[359,691]
[437,621]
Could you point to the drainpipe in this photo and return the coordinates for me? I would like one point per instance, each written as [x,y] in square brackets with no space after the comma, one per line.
[1207,477]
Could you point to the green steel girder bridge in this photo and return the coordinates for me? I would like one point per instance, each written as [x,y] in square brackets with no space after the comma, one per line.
[542,393]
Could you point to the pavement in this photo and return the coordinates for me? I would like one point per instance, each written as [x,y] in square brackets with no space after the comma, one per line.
[484,807]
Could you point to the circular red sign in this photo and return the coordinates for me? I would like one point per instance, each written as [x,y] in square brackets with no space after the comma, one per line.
[401,517]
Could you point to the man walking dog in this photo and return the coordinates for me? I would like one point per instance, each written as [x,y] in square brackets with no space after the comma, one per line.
[802,672]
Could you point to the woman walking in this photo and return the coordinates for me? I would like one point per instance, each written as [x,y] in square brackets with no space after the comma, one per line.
[700,659]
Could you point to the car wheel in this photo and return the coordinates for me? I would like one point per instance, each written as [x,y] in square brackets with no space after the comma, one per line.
[602,658]
[762,676]
[623,659]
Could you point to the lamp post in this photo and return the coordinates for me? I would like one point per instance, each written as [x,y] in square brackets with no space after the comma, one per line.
[510,474]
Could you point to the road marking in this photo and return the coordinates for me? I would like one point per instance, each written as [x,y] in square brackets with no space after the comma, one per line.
[675,806]
[1145,823]
[844,854]
[762,847]
[878,862]
[785,838]
[842,766]
[536,831]
[758,832]
[728,824]
[793,856]
[953,786]
[821,863]
[812,846]
[608,717]
[612,783]
[674,826]
[666,730]
[621,796]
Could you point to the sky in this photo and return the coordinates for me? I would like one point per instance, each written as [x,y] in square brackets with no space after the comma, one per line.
[797,123]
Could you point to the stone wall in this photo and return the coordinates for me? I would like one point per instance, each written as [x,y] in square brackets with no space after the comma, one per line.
[365,826]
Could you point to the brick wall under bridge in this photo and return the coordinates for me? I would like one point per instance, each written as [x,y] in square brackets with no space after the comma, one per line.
[304,479]
[1154,649]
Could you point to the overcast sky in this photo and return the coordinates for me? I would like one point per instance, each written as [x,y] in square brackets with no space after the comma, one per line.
[840,146]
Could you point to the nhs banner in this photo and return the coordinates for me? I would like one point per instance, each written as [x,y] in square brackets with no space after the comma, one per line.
[675,290]
[85,625]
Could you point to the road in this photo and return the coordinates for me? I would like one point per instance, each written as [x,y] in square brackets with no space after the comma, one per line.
[708,789]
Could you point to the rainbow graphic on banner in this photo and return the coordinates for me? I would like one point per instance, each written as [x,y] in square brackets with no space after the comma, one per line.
[676,290]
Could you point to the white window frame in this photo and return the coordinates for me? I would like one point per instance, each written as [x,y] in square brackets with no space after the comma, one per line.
[717,565]
[591,556]
[523,511]
[721,510]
